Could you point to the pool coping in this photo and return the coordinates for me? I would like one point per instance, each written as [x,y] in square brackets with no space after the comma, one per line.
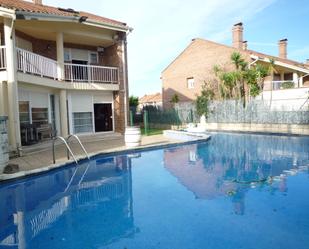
[4,178]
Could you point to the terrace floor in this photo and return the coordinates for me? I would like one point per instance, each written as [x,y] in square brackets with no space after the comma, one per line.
[39,158]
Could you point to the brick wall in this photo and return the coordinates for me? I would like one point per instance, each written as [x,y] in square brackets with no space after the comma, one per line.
[196,61]
[48,48]
[114,57]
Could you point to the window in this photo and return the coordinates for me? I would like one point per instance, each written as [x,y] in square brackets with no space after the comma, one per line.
[288,76]
[190,83]
[23,44]
[24,115]
[82,122]
[93,58]
[67,55]
[39,116]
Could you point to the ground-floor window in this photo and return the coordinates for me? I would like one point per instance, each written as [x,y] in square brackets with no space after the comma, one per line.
[82,122]
[39,116]
[24,114]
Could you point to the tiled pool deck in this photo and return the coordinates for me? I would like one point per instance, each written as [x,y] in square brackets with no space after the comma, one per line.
[42,160]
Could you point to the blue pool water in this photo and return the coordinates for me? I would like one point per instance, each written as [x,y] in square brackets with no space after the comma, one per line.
[234,191]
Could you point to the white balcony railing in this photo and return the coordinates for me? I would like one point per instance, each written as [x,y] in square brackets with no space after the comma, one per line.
[283,84]
[2,58]
[90,73]
[28,62]
[31,63]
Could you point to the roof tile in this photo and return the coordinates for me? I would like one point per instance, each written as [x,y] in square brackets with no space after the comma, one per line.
[20,5]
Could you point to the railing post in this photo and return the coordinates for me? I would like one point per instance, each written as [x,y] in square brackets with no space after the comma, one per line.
[146,122]
[41,67]
[22,58]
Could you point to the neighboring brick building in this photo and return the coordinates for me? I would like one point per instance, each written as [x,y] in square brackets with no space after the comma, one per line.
[62,71]
[150,100]
[194,66]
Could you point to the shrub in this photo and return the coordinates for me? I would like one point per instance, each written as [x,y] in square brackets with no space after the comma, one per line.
[287,85]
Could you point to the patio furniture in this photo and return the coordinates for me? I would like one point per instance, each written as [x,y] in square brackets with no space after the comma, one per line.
[45,131]
[29,134]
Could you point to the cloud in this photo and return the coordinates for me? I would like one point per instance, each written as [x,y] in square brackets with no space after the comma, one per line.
[162,29]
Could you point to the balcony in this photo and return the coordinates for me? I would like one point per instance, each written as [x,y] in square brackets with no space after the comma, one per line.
[284,84]
[87,73]
[34,64]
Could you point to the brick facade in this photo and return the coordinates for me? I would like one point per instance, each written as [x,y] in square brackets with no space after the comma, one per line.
[114,57]
[196,61]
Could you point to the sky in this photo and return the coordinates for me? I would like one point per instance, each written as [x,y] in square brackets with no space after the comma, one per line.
[163,28]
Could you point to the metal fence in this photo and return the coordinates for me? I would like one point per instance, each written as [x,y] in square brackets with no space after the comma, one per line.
[256,111]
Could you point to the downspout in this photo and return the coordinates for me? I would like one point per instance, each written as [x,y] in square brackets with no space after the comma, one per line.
[125,77]
[253,62]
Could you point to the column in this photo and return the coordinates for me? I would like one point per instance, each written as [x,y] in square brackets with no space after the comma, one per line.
[301,81]
[60,56]
[2,94]
[63,113]
[12,93]
[295,79]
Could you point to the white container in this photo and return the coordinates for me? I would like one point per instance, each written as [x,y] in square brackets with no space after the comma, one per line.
[132,136]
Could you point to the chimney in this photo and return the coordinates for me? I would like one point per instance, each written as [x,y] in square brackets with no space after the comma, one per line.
[307,63]
[238,35]
[282,45]
[244,45]
[38,2]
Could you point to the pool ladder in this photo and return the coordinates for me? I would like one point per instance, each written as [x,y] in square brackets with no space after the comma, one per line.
[69,150]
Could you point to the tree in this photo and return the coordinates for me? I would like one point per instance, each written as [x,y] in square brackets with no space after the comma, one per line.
[175,99]
[242,82]
[202,101]
[133,101]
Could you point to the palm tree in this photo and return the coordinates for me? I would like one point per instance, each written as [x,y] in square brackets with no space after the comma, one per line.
[241,82]
[241,66]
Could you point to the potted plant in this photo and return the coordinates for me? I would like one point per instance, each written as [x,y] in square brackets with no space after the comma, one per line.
[202,105]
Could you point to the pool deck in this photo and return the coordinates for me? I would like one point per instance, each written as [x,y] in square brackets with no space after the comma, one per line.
[39,159]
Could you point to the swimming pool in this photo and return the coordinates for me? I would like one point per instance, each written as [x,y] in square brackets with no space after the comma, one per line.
[234,191]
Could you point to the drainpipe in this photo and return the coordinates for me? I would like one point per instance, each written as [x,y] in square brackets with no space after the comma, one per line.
[125,77]
[124,65]
[251,63]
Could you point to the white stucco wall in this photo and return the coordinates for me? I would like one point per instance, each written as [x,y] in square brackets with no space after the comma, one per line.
[288,99]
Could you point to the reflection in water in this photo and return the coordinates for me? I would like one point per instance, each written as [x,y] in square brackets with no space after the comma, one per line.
[31,208]
[231,165]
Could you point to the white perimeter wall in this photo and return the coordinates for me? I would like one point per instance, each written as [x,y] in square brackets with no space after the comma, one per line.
[288,99]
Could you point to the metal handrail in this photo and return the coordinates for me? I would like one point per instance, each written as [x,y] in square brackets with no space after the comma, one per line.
[80,143]
[68,148]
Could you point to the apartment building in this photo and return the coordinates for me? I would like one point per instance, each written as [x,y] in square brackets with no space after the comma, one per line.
[62,72]
[186,74]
